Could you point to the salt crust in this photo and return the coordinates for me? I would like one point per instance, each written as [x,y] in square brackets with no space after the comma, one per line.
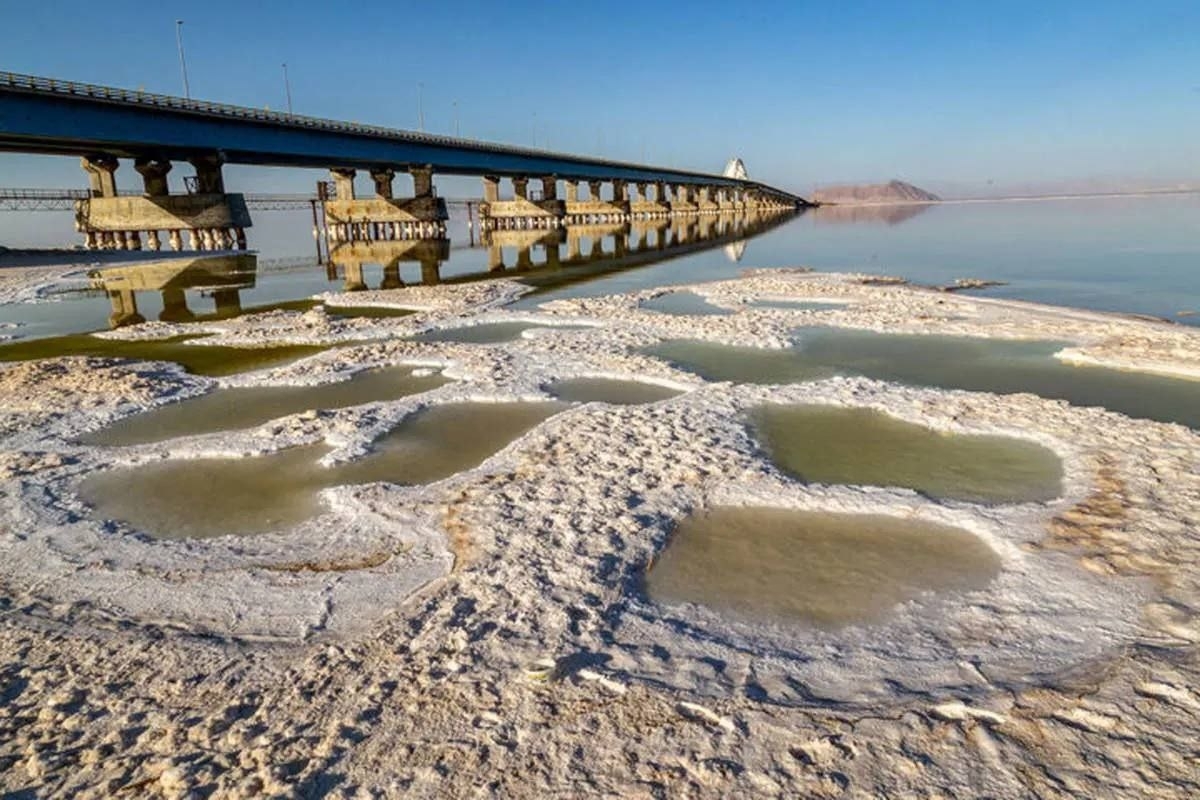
[408,616]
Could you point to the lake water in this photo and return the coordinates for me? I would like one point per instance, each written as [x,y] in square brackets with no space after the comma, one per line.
[1138,255]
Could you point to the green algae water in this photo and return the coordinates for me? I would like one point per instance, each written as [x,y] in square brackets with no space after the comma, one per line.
[201,359]
[609,390]
[824,570]
[948,362]
[827,444]
[684,304]
[230,409]
[207,497]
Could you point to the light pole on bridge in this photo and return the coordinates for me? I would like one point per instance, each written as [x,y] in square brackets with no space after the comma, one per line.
[287,87]
[187,92]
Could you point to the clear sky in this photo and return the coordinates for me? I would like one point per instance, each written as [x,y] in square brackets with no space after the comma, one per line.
[944,94]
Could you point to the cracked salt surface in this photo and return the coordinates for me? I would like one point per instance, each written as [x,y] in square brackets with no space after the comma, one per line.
[549,540]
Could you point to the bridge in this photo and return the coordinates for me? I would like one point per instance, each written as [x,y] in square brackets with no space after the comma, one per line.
[102,125]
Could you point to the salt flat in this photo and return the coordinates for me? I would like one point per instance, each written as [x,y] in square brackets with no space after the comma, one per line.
[486,633]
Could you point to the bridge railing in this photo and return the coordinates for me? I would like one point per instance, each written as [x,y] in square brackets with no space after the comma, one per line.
[32,83]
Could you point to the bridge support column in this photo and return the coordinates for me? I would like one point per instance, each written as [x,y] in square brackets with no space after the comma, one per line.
[102,179]
[422,181]
[209,179]
[647,207]
[154,176]
[383,179]
[683,202]
[491,189]
[522,213]
[343,183]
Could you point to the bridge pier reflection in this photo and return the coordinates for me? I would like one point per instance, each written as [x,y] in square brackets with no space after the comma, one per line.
[350,257]
[225,276]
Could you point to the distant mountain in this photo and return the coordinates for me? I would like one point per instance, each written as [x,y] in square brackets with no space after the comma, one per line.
[890,192]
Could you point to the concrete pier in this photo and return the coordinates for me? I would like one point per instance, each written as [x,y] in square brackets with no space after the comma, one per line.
[643,206]
[521,211]
[210,218]
[684,200]
[384,217]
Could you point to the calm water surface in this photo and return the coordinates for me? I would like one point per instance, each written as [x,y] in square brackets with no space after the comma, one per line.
[821,569]
[206,497]
[828,444]
[1139,255]
[949,362]
[244,407]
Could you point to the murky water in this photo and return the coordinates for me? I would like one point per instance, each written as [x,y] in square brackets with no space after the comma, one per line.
[611,391]
[445,439]
[201,359]
[974,364]
[368,312]
[206,497]
[825,570]
[486,333]
[231,409]
[684,304]
[827,444]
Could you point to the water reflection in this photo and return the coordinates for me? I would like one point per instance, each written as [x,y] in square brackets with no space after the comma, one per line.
[347,259]
[175,290]
[888,214]
[223,277]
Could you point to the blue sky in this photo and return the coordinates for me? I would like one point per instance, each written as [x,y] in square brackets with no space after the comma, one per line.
[938,93]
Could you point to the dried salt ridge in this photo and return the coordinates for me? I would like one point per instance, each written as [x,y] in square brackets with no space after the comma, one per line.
[482,633]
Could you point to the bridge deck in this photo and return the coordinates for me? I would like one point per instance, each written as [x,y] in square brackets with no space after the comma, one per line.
[41,115]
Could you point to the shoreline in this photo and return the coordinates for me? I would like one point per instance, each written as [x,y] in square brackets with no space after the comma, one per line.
[375,672]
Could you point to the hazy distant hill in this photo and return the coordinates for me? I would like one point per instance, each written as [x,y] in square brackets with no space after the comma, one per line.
[891,192]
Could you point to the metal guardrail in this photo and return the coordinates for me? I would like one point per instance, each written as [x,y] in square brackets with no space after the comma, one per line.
[34,84]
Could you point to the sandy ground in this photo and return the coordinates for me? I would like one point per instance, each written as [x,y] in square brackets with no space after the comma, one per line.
[485,635]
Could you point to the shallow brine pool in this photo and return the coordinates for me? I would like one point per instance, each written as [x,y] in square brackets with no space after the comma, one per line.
[206,497]
[829,444]
[948,362]
[826,570]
